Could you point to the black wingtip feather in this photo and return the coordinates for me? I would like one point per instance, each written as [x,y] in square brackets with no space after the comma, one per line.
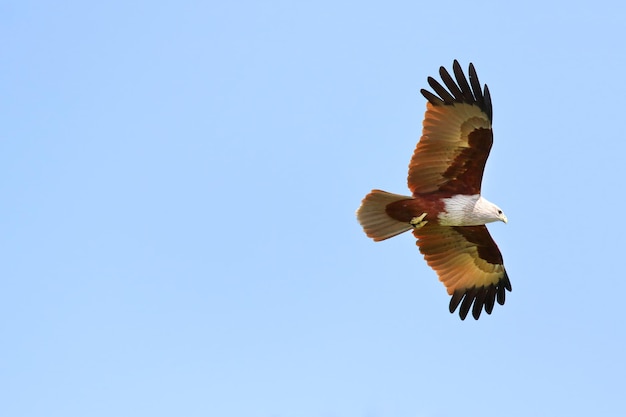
[456,299]
[490,299]
[488,108]
[506,282]
[449,82]
[480,298]
[433,99]
[467,302]
[476,89]
[465,88]
[439,89]
[460,91]
[479,302]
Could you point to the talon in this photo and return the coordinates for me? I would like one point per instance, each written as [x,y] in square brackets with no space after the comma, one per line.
[419,221]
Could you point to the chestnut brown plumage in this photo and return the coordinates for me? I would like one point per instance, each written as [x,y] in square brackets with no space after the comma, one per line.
[446,210]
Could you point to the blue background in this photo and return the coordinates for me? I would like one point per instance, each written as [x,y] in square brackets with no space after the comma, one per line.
[178,183]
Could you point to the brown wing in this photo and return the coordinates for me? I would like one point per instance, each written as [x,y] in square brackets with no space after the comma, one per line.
[468,263]
[456,136]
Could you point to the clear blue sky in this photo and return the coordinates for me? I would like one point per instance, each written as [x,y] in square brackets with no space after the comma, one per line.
[178,184]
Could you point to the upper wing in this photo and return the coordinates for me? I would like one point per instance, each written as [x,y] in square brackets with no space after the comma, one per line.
[468,263]
[456,136]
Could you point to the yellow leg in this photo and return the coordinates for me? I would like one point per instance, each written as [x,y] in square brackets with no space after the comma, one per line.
[419,221]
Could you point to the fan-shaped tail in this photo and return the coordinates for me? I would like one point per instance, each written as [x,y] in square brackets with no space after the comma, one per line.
[374,219]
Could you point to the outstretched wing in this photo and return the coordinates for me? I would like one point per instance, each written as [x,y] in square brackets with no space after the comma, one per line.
[456,136]
[468,263]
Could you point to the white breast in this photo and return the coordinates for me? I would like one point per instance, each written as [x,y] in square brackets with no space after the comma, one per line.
[466,210]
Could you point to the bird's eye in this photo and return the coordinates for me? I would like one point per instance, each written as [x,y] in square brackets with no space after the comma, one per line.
[499,211]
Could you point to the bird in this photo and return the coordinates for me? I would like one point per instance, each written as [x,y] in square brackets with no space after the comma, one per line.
[446,211]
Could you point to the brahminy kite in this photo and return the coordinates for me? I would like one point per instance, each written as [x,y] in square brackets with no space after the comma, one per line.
[447,212]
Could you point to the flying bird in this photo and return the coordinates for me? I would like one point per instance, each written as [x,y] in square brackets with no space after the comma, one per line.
[446,211]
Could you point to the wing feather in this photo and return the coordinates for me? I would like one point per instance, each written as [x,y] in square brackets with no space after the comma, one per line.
[456,136]
[449,82]
[460,78]
[469,264]
[478,94]
[439,89]
[432,98]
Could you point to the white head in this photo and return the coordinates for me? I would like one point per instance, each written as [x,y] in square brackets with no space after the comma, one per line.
[469,210]
[488,212]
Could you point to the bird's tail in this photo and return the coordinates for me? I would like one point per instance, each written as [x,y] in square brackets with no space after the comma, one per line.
[374,219]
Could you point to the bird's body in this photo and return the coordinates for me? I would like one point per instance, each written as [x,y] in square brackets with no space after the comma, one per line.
[447,212]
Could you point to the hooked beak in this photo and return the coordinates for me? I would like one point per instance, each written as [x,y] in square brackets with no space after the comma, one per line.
[504,219]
